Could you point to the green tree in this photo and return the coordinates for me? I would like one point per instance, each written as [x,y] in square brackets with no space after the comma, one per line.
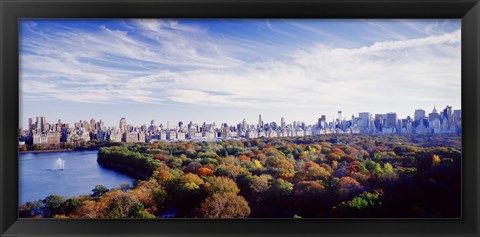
[52,205]
[70,204]
[99,190]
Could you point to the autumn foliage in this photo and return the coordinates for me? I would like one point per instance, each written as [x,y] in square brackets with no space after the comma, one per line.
[318,176]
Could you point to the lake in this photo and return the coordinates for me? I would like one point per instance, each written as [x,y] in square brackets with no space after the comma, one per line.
[40,174]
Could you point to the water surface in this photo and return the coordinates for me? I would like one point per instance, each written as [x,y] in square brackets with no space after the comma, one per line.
[40,176]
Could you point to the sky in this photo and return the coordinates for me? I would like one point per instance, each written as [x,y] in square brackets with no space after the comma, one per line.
[225,70]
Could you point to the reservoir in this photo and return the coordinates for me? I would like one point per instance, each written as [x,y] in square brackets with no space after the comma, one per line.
[67,174]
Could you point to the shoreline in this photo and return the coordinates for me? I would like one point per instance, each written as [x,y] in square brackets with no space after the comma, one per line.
[60,150]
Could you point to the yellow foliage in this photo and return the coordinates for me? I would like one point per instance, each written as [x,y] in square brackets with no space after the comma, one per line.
[436,160]
[388,167]
[335,164]
[257,164]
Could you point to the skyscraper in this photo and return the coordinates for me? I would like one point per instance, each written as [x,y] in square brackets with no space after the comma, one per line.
[419,114]
[322,121]
[364,122]
[340,116]
[433,115]
[41,123]
[391,119]
[123,125]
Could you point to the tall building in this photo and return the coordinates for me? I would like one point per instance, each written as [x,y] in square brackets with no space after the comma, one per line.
[123,125]
[457,117]
[391,119]
[433,115]
[282,122]
[225,130]
[448,116]
[93,124]
[364,121]
[260,122]
[42,123]
[340,116]
[30,123]
[419,114]
[244,125]
[322,122]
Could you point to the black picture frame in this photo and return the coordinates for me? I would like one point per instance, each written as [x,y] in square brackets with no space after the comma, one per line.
[12,10]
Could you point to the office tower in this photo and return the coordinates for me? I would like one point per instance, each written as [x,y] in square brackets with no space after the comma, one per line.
[282,122]
[340,116]
[123,125]
[419,114]
[457,117]
[101,125]
[93,124]
[322,122]
[244,125]
[30,123]
[42,123]
[399,126]
[260,122]
[433,115]
[391,119]
[448,116]
[364,122]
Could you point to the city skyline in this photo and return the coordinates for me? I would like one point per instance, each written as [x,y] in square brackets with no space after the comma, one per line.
[213,70]
[40,131]
[259,117]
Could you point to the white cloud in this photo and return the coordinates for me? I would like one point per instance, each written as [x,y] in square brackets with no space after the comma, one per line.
[167,62]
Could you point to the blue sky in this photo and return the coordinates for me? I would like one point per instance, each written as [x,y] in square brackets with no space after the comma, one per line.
[224,70]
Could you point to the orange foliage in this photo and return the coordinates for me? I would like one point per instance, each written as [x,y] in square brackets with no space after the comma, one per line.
[205,171]
[310,164]
[159,156]
[90,209]
[334,156]
[244,158]
[356,162]
[286,176]
[144,193]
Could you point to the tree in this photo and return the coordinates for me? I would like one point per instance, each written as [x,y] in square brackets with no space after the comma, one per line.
[164,177]
[147,193]
[125,186]
[348,186]
[31,209]
[257,164]
[190,181]
[89,209]
[224,205]
[310,198]
[317,172]
[365,200]
[436,160]
[52,205]
[221,185]
[99,190]
[259,184]
[121,205]
[204,171]
[280,189]
[71,204]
